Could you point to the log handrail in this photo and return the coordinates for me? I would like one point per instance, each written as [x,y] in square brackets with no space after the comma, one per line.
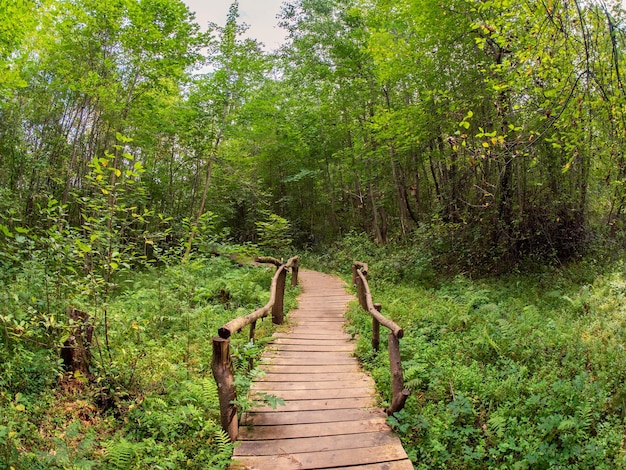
[399,392]
[221,363]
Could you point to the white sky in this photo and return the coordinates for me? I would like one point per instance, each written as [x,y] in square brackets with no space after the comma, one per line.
[259,15]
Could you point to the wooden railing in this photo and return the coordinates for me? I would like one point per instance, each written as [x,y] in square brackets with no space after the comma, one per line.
[221,364]
[399,393]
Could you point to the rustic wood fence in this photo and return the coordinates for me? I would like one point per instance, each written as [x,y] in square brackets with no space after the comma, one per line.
[221,364]
[399,392]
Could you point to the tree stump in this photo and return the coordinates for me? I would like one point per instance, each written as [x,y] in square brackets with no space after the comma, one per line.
[75,352]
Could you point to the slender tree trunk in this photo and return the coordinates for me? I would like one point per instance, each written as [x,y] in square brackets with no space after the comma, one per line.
[375,222]
[400,186]
[207,183]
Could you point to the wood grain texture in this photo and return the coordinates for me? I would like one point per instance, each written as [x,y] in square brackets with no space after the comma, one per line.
[329,419]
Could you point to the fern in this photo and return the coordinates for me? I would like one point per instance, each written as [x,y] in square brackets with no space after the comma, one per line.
[203,392]
[208,390]
[416,375]
[155,403]
[497,424]
[507,329]
[120,453]
[222,441]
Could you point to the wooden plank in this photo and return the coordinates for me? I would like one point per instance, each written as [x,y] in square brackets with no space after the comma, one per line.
[330,459]
[318,312]
[309,354]
[319,315]
[396,465]
[323,394]
[291,431]
[323,377]
[308,417]
[319,340]
[303,320]
[320,322]
[315,369]
[304,334]
[299,359]
[313,330]
[314,345]
[358,381]
[312,444]
[329,347]
[312,405]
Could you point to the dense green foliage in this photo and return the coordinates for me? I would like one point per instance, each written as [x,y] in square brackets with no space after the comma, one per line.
[497,125]
[462,138]
[524,371]
[152,402]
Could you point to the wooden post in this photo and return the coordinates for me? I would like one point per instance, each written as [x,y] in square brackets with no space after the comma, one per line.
[354,274]
[222,368]
[360,290]
[252,330]
[294,273]
[277,309]
[376,329]
[400,394]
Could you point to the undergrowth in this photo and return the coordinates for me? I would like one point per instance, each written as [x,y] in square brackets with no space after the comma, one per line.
[151,401]
[523,371]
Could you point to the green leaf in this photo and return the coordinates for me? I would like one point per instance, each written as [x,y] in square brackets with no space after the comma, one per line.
[4,229]
[122,138]
[84,247]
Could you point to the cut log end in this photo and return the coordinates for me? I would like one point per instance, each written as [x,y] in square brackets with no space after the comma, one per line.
[398,401]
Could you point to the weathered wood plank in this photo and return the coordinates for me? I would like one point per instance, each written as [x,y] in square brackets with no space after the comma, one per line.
[311,377]
[311,330]
[395,465]
[357,381]
[304,334]
[309,417]
[320,322]
[316,369]
[312,444]
[302,359]
[314,342]
[323,394]
[312,405]
[327,459]
[291,431]
[274,351]
[325,348]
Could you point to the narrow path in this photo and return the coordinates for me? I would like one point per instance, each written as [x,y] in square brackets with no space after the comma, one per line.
[329,419]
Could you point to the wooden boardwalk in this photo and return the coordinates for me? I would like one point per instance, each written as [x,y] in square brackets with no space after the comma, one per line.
[329,419]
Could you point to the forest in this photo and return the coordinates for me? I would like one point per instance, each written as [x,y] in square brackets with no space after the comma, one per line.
[471,151]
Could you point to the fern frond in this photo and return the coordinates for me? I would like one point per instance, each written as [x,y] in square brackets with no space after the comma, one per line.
[222,440]
[209,390]
[120,453]
[497,424]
